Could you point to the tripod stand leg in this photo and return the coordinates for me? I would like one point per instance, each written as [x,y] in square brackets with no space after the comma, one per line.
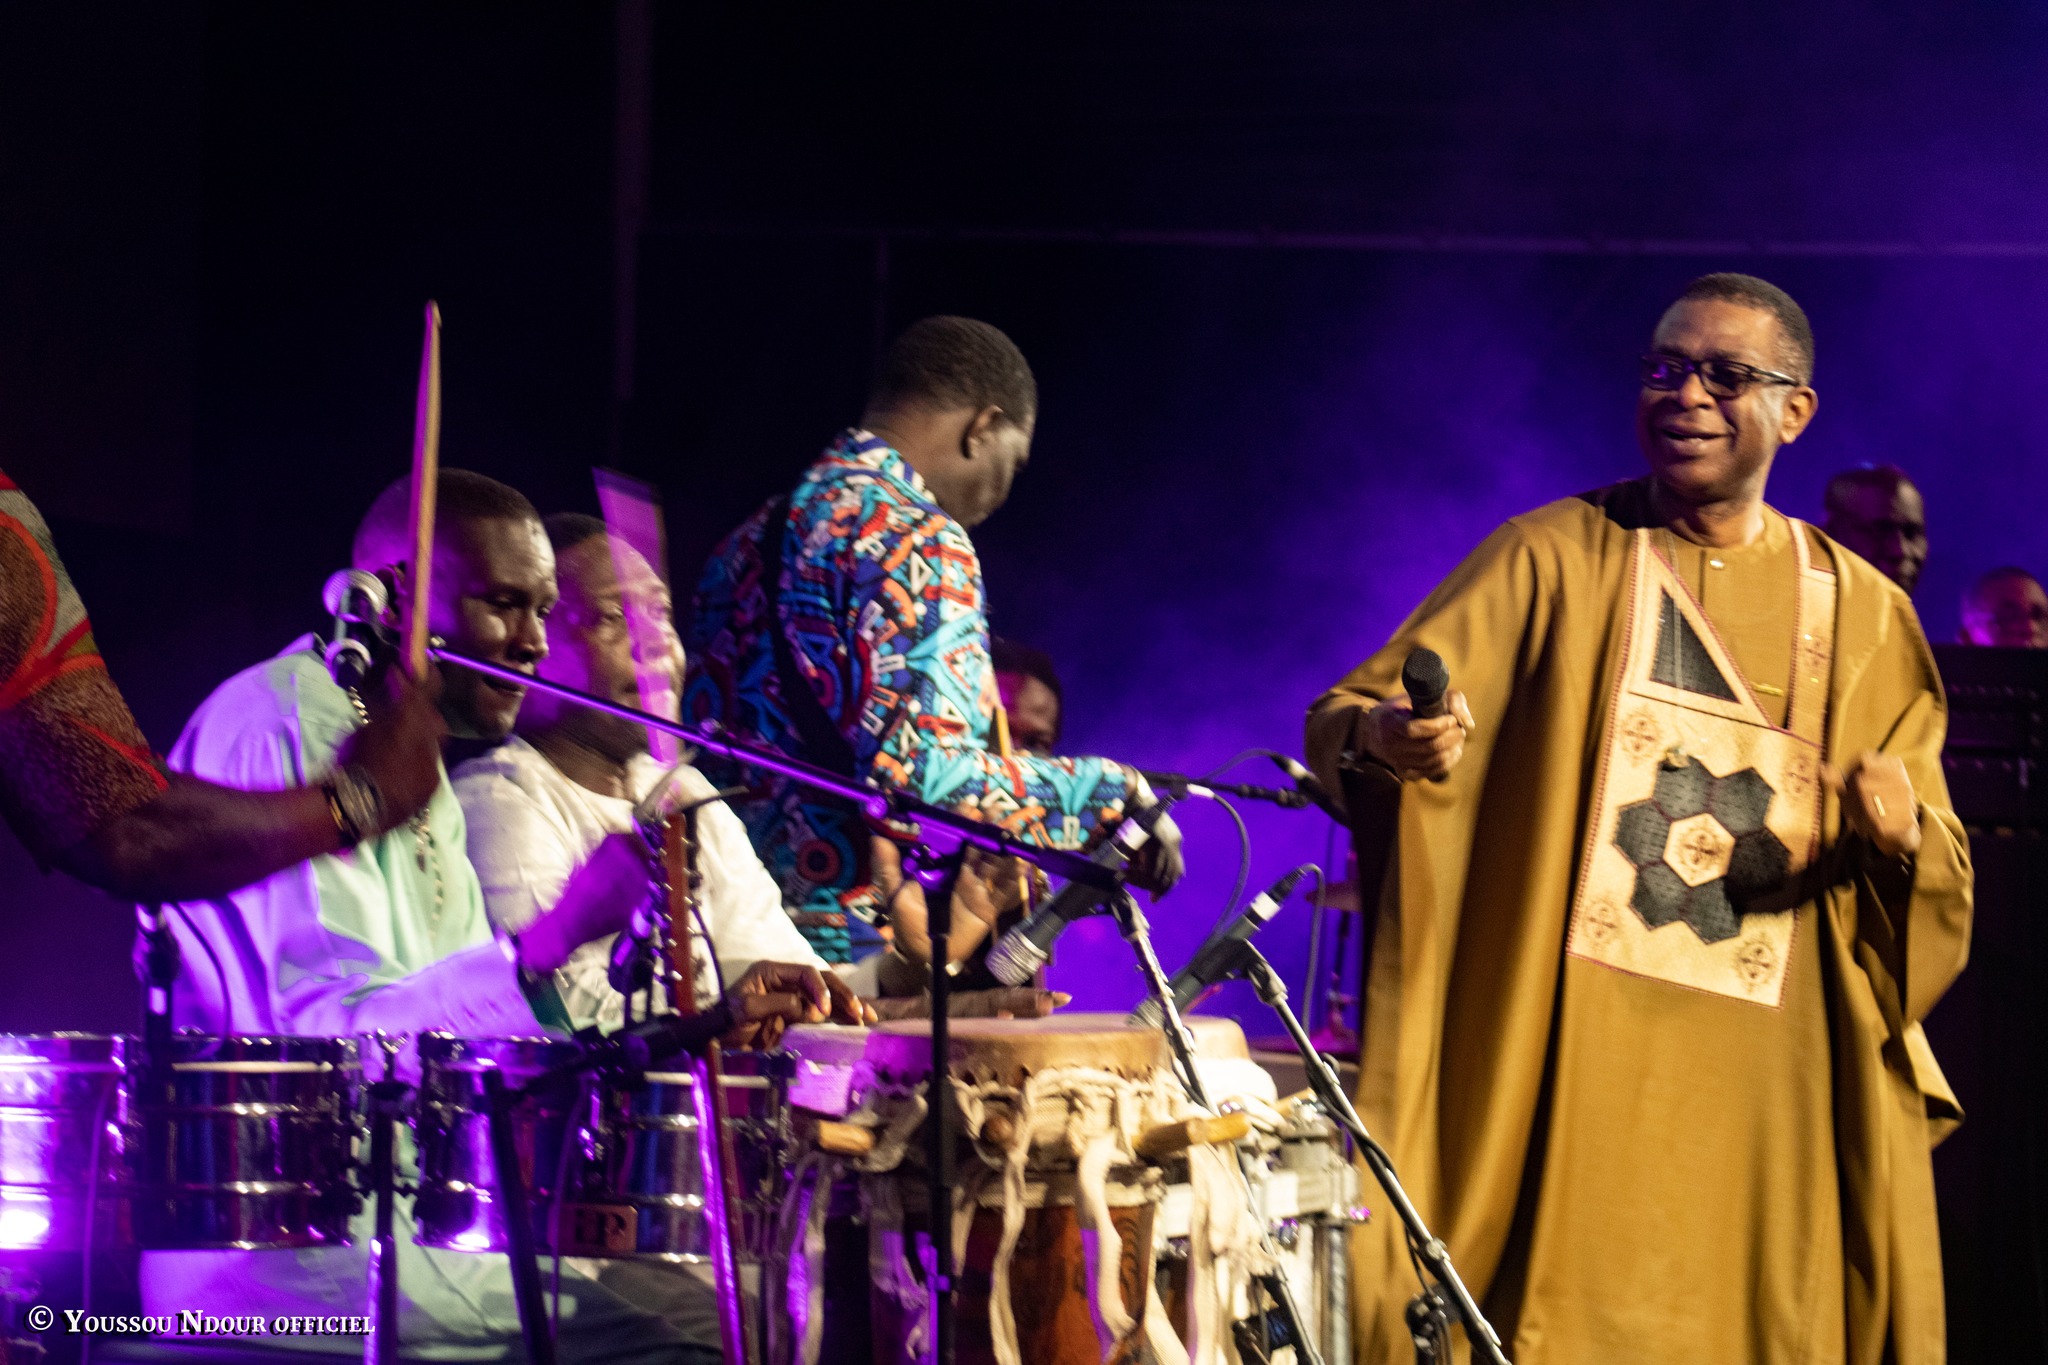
[382,1347]
[526,1292]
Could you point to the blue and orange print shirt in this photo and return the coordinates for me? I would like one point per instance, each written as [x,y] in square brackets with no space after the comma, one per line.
[881,599]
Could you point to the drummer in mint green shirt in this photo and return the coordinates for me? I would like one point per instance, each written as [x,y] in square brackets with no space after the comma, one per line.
[391,934]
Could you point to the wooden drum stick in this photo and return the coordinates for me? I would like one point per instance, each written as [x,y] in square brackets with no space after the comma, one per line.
[426,473]
[1004,752]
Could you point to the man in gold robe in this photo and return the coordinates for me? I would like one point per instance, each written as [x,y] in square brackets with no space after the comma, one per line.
[1643,1015]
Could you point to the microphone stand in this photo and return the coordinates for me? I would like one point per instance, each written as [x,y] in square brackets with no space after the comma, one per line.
[1449,1292]
[1131,923]
[953,828]
[938,872]
[1180,784]
[387,1104]
[943,836]
[161,963]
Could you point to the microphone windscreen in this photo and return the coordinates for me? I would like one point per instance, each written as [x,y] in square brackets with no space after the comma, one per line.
[346,588]
[1425,678]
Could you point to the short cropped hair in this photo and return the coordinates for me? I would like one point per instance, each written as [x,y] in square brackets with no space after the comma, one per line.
[1007,656]
[952,362]
[384,536]
[1768,298]
[567,530]
[1885,478]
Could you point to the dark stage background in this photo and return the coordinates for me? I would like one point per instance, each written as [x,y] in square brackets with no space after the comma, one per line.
[1316,295]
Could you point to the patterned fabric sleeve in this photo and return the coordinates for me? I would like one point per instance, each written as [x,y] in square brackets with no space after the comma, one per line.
[915,691]
[71,756]
[881,593]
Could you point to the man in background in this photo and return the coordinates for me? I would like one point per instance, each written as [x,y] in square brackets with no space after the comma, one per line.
[844,624]
[561,794]
[2006,608]
[1877,512]
[546,801]
[1033,700]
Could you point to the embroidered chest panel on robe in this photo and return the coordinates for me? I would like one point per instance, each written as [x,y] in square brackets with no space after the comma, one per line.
[1705,813]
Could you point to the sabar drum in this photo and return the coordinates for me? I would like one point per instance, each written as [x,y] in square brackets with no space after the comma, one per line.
[1052,1206]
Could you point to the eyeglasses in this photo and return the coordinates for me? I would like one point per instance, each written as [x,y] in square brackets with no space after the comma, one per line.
[1721,378]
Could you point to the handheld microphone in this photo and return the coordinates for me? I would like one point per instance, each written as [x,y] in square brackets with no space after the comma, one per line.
[1019,954]
[1309,786]
[1213,960]
[1425,679]
[357,601]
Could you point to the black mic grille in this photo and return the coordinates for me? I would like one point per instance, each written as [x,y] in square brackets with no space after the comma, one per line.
[1425,679]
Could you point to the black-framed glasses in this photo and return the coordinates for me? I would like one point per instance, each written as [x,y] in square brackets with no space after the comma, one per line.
[1721,378]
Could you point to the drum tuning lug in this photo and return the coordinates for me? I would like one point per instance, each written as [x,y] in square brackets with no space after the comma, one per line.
[1358,1213]
[390,1044]
[1176,1249]
[1287,1232]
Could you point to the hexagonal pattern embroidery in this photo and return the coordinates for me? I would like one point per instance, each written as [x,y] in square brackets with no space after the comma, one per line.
[1700,849]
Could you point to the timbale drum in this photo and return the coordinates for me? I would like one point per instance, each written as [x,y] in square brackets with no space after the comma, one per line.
[240,1142]
[58,1150]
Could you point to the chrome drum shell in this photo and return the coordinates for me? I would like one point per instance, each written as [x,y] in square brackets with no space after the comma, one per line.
[458,1208]
[58,1103]
[243,1142]
[652,1163]
[609,1171]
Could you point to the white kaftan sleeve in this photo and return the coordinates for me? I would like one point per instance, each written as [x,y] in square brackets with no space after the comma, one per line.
[344,943]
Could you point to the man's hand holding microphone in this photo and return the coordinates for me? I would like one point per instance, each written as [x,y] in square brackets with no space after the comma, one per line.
[1418,733]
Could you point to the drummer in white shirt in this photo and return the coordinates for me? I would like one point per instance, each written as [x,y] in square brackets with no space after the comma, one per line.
[540,804]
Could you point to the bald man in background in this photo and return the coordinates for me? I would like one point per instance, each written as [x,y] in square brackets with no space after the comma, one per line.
[2006,608]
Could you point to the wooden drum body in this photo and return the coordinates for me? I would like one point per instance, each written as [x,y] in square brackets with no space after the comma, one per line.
[1053,1209]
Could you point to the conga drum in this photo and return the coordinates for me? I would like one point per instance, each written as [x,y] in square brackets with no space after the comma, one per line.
[1055,1204]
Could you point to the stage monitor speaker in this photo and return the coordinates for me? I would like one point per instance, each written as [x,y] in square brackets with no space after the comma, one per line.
[1989,1031]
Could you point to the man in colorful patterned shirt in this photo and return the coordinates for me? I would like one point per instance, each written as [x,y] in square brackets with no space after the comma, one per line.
[875,609]
[81,788]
